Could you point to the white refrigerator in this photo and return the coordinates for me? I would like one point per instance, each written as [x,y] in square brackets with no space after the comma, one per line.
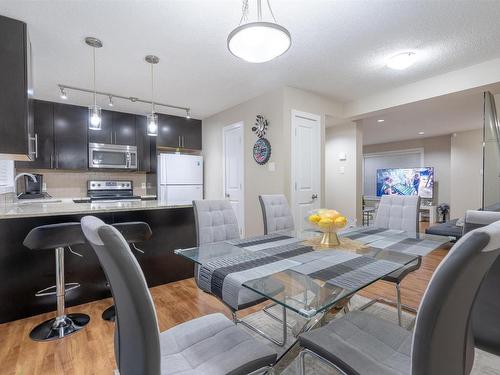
[180,178]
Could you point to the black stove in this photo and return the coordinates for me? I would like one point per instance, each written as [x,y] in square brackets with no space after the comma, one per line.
[111,190]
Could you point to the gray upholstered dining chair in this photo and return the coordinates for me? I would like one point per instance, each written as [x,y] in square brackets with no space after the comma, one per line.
[486,311]
[399,212]
[216,221]
[276,213]
[208,345]
[442,342]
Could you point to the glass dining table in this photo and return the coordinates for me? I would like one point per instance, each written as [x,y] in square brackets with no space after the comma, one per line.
[312,279]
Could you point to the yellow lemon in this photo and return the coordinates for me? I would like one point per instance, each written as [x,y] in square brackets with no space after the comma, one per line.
[314,218]
[325,223]
[341,222]
[331,214]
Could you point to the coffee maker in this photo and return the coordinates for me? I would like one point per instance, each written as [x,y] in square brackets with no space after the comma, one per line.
[32,189]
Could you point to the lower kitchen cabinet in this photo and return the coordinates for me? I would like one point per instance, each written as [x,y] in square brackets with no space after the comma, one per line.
[27,271]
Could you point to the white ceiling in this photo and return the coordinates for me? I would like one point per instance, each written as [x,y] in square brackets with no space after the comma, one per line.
[338,48]
[438,116]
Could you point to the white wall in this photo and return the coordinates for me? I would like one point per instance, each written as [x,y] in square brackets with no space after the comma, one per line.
[465,177]
[343,178]
[437,151]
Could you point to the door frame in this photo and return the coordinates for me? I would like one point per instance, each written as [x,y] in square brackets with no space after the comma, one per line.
[241,125]
[293,125]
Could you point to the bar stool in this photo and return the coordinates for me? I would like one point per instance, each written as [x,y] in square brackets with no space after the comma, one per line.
[133,232]
[58,237]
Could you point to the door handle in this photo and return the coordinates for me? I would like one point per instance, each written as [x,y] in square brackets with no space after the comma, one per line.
[314,196]
[51,161]
[228,195]
[36,146]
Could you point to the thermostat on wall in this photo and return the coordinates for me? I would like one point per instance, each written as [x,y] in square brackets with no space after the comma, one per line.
[342,156]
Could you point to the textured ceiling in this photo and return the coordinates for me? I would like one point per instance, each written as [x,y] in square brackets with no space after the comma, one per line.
[339,48]
[437,116]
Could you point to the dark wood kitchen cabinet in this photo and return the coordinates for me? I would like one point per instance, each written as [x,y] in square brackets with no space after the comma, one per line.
[117,128]
[124,129]
[179,132]
[16,112]
[43,118]
[144,144]
[105,134]
[70,137]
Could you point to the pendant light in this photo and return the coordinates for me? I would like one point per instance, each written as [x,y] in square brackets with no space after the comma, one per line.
[94,110]
[259,41]
[152,118]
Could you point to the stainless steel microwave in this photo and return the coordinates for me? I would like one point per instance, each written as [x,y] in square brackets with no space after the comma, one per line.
[103,155]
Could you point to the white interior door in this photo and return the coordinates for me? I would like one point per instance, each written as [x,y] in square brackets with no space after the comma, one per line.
[306,165]
[233,167]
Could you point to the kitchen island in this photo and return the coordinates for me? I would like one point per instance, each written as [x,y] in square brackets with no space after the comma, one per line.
[25,271]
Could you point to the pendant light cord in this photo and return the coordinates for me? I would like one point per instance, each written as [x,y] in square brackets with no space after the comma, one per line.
[245,11]
[95,96]
[152,91]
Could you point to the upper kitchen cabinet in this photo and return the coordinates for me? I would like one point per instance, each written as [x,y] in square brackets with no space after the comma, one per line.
[17,140]
[105,134]
[43,120]
[191,134]
[116,129]
[179,132]
[124,129]
[70,137]
[144,144]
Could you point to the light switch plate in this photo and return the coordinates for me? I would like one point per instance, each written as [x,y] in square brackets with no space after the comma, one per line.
[342,170]
[44,187]
[143,185]
[342,156]
[271,167]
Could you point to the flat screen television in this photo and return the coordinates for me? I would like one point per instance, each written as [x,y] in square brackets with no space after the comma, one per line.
[406,181]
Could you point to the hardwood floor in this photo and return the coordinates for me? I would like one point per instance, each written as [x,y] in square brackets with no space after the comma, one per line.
[91,350]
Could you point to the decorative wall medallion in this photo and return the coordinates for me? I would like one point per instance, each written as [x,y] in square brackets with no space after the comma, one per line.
[262,151]
[260,127]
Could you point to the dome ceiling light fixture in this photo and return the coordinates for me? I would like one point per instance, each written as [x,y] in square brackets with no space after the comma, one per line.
[258,41]
[401,61]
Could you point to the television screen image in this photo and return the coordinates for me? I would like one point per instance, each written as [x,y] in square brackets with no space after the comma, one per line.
[406,181]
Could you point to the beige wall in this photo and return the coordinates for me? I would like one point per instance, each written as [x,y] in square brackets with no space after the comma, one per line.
[343,178]
[258,178]
[437,152]
[466,164]
[276,106]
[68,184]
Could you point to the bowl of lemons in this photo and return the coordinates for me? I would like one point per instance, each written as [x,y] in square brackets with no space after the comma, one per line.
[329,222]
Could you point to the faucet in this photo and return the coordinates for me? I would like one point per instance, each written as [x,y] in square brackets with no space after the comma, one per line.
[20,175]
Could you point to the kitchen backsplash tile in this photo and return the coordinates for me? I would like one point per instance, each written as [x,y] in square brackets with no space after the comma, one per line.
[68,184]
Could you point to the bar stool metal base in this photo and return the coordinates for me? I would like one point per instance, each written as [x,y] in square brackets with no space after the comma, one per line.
[59,327]
[109,314]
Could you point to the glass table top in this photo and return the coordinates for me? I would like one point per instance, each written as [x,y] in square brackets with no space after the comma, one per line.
[312,279]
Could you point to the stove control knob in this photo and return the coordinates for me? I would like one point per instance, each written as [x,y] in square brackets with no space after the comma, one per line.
[93,185]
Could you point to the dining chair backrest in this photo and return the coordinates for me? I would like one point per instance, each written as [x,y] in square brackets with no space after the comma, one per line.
[276,213]
[443,341]
[486,311]
[137,342]
[215,221]
[398,212]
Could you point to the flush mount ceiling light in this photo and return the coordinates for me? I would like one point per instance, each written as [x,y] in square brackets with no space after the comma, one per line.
[152,118]
[401,61]
[94,109]
[421,133]
[258,41]
[381,120]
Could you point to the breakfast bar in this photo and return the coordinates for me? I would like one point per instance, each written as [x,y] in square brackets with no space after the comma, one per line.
[24,271]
